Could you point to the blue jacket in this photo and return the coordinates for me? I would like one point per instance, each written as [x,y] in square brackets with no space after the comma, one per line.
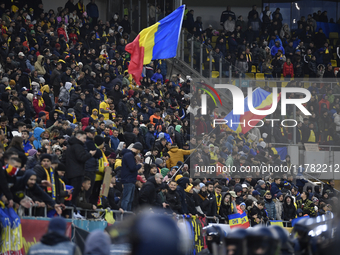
[253,152]
[301,182]
[114,142]
[149,140]
[157,76]
[129,170]
[37,132]
[274,189]
[275,49]
[92,10]
[272,41]
[270,207]
[27,146]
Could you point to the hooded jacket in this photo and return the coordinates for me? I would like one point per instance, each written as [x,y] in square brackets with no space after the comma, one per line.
[39,65]
[97,243]
[37,133]
[289,211]
[275,49]
[75,158]
[227,209]
[52,242]
[176,155]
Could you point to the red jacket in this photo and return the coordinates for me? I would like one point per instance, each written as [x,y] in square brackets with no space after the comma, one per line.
[36,106]
[61,31]
[288,70]
[73,38]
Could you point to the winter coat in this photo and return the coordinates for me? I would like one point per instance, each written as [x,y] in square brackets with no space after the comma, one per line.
[176,155]
[149,140]
[307,207]
[279,209]
[39,65]
[289,211]
[288,70]
[148,193]
[270,207]
[36,106]
[75,158]
[129,167]
[37,133]
[174,201]
[274,189]
[64,95]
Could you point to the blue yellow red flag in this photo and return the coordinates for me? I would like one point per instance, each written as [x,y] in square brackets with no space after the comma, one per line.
[262,100]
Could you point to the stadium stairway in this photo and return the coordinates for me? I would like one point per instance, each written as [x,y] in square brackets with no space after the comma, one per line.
[176,66]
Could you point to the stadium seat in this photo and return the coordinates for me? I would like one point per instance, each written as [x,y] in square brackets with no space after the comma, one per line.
[333,35]
[334,63]
[253,69]
[215,74]
[259,76]
[214,38]
[249,75]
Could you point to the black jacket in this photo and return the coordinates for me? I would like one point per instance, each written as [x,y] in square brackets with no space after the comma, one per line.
[19,189]
[289,211]
[129,137]
[209,206]
[91,165]
[21,154]
[174,201]
[75,158]
[41,175]
[148,193]
[191,206]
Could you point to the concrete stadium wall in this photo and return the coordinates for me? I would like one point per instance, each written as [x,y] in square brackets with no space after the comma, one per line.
[49,4]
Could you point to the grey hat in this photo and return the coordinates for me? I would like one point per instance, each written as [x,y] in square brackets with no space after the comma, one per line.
[261,182]
[138,146]
[161,135]
[158,161]
[5,79]
[70,110]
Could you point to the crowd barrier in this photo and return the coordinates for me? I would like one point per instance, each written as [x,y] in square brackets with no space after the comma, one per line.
[21,233]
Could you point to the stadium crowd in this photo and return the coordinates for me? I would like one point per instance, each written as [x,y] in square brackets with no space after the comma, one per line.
[69,109]
[262,43]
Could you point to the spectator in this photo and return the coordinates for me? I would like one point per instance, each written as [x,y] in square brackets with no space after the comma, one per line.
[306,205]
[75,158]
[288,69]
[129,175]
[55,238]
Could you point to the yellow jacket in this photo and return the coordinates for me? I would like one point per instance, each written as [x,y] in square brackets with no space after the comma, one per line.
[176,155]
[102,163]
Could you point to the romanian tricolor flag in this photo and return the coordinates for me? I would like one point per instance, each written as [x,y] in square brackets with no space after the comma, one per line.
[262,100]
[158,41]
[239,220]
[11,170]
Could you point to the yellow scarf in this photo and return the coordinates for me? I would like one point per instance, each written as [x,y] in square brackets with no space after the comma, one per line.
[102,163]
[218,202]
[94,117]
[41,102]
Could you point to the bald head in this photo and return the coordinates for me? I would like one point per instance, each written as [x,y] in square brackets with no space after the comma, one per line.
[158,178]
